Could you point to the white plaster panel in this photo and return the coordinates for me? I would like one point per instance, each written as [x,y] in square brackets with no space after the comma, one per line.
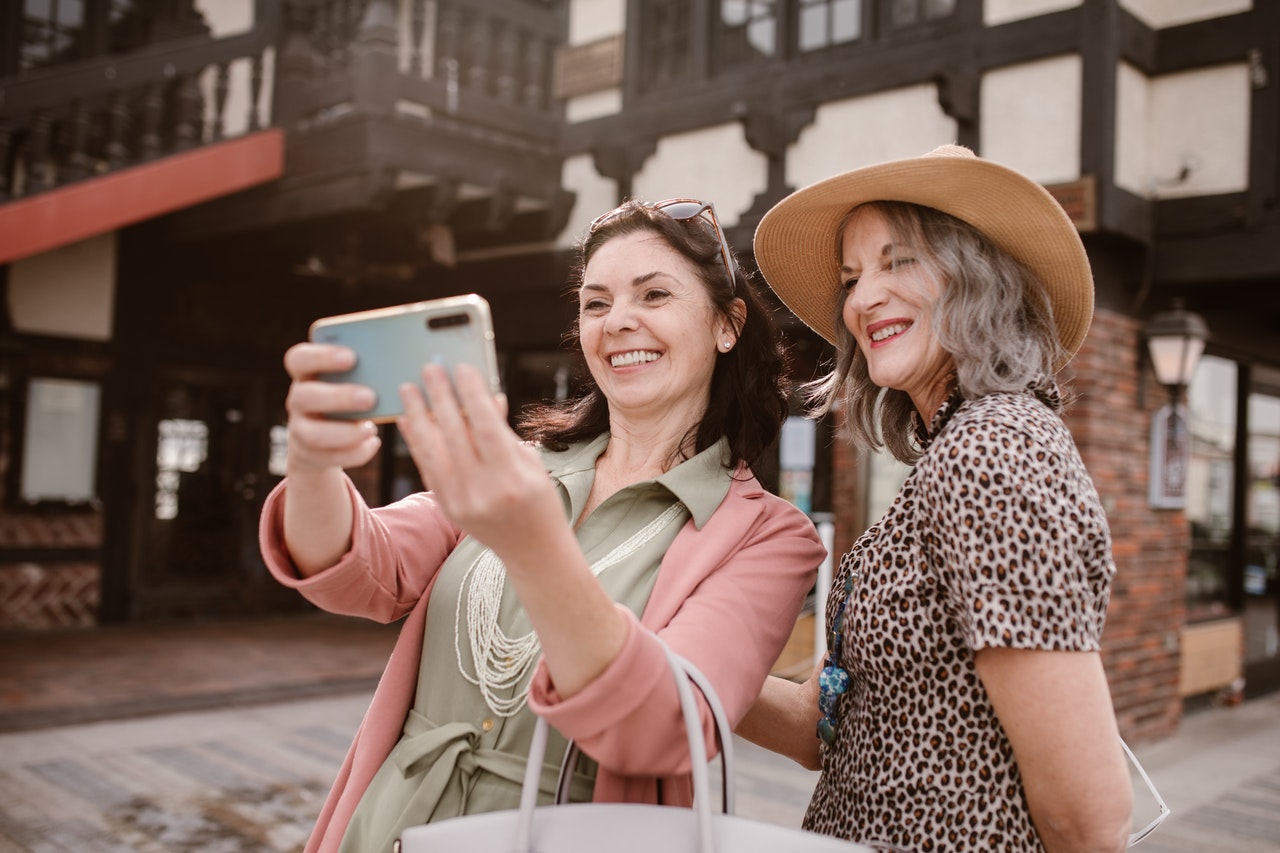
[606,102]
[1183,134]
[1170,13]
[713,163]
[596,194]
[68,293]
[996,12]
[1030,118]
[595,19]
[226,17]
[1199,121]
[1133,149]
[857,132]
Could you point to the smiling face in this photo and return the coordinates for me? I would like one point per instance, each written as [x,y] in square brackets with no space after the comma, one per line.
[890,294]
[648,330]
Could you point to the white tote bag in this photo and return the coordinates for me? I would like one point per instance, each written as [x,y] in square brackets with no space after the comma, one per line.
[625,827]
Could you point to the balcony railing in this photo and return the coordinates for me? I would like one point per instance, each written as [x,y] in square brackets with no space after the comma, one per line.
[452,93]
[88,118]
[486,63]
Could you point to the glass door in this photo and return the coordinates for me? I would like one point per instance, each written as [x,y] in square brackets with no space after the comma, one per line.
[1261,575]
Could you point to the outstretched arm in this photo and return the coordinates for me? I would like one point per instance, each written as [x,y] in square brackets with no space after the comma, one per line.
[318,514]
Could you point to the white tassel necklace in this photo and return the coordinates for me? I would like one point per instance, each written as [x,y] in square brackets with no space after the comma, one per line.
[503,662]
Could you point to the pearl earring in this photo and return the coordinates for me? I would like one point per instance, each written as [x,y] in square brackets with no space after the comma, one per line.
[728,345]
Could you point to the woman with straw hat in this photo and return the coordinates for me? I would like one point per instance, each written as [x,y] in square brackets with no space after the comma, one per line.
[963,703]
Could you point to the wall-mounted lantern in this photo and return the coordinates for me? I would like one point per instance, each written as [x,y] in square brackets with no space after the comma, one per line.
[1175,340]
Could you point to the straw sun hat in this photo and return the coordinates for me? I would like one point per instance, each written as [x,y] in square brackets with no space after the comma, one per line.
[797,244]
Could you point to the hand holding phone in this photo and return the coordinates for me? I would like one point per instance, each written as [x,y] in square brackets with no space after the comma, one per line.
[392,345]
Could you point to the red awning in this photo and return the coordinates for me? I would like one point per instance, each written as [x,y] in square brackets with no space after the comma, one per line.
[88,208]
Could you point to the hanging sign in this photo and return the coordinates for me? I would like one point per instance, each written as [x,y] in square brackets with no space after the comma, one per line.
[1170,457]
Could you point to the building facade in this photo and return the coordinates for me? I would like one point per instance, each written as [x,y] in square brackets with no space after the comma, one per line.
[187,185]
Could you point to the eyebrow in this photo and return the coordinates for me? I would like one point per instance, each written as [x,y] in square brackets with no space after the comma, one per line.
[635,282]
[885,251]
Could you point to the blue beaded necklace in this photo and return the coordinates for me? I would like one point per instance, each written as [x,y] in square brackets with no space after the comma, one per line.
[833,680]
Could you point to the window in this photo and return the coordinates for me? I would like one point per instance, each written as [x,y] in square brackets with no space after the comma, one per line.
[182,448]
[60,441]
[665,42]
[1210,483]
[907,13]
[51,32]
[828,22]
[748,31]
[1262,520]
[58,31]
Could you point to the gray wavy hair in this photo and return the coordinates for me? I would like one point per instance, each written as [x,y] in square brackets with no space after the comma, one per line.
[993,318]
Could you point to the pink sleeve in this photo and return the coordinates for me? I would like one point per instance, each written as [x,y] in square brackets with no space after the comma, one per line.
[395,552]
[732,625]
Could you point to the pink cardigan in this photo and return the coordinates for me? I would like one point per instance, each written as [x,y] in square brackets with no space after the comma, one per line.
[726,597]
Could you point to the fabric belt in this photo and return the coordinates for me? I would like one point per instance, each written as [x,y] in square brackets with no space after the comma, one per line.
[435,752]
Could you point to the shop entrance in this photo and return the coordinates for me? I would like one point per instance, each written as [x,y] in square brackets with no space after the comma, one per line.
[205,463]
[1261,569]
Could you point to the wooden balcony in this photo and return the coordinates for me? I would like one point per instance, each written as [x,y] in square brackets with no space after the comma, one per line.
[433,121]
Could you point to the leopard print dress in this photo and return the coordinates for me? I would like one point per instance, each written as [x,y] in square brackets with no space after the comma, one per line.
[997,538]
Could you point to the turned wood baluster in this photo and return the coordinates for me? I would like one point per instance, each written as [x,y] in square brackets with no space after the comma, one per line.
[79,164]
[448,36]
[188,113]
[339,30]
[221,85]
[355,13]
[152,106]
[448,40]
[115,152]
[255,93]
[479,48]
[417,30]
[41,171]
[6,142]
[535,72]
[320,34]
[507,63]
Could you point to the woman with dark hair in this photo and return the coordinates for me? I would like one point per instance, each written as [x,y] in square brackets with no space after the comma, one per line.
[534,576]
[963,704]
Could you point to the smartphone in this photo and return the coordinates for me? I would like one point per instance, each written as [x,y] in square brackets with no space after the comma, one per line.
[392,344]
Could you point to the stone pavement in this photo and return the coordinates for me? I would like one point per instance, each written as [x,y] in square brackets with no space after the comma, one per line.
[85,675]
[225,737]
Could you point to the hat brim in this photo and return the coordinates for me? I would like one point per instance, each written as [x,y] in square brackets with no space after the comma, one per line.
[796,241]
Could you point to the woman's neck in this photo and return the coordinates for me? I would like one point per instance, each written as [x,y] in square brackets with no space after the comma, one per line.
[642,454]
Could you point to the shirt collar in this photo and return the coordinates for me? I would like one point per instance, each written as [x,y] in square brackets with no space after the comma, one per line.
[700,482]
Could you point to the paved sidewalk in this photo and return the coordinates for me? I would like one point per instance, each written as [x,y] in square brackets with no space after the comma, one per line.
[51,678]
[167,737]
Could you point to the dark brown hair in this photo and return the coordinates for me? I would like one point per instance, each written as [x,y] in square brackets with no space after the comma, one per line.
[748,401]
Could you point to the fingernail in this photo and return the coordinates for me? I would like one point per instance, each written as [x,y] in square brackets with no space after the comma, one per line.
[370,427]
[365,398]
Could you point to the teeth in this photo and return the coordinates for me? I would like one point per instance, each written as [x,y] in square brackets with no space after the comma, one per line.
[640,356]
[889,331]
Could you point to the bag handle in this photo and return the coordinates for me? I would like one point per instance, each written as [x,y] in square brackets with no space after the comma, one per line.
[724,737]
[686,675]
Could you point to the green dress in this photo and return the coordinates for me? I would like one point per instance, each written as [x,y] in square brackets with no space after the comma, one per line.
[463,749]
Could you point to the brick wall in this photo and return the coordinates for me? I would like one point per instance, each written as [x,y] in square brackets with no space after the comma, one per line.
[1148,608]
[40,595]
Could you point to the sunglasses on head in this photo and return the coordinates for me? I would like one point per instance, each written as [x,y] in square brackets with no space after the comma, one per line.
[683,210]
